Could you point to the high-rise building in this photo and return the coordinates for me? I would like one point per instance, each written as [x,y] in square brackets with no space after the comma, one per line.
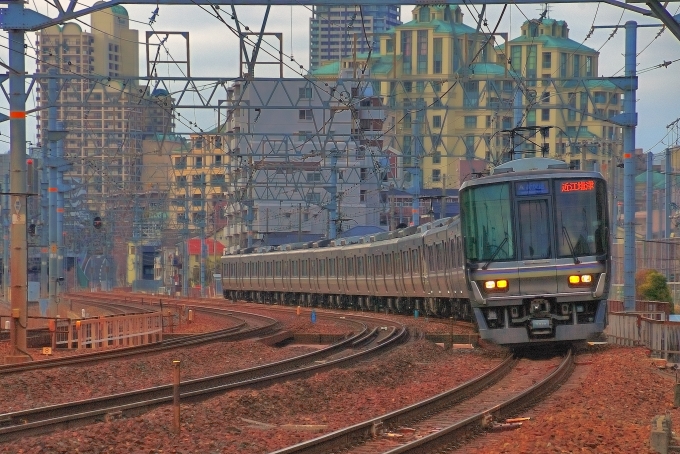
[100,106]
[451,97]
[339,31]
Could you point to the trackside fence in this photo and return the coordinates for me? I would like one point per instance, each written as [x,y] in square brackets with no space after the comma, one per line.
[111,331]
[649,329]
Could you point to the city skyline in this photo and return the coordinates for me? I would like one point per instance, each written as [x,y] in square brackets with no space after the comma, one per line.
[656,86]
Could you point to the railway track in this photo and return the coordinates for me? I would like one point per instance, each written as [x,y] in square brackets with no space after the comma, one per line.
[361,346]
[448,419]
[245,326]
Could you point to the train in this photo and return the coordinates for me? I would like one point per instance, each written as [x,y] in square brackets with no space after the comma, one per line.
[528,260]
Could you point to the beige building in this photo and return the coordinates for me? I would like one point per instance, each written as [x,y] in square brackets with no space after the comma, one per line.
[100,105]
[453,94]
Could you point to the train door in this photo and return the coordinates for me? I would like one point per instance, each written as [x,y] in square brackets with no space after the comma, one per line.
[537,267]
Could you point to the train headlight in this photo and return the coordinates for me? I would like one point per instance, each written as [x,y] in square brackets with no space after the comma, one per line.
[499,285]
[580,280]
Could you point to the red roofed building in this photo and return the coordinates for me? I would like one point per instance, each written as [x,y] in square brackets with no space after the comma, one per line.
[212,247]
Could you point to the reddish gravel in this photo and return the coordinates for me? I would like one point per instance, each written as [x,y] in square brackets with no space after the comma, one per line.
[254,421]
[606,407]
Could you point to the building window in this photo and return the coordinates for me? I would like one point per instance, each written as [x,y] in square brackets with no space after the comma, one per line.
[469,147]
[545,114]
[437,55]
[436,157]
[313,197]
[406,44]
[305,92]
[422,52]
[436,175]
[313,177]
[305,114]
[437,121]
[577,66]
[470,122]
[362,195]
[547,59]
[198,162]
[563,65]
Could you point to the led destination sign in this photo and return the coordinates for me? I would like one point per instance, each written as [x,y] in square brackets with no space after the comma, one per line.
[572,186]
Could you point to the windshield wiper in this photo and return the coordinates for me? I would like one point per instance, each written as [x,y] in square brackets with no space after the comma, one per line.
[571,247]
[495,253]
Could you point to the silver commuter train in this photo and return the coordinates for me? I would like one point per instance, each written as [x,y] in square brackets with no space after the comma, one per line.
[528,259]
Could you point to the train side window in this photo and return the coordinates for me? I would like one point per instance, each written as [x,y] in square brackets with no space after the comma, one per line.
[269,269]
[285,268]
[341,267]
[378,265]
[331,267]
[277,267]
[294,268]
[369,266]
[304,268]
[322,268]
[350,266]
[388,264]
[414,261]
[360,266]
[406,261]
[312,268]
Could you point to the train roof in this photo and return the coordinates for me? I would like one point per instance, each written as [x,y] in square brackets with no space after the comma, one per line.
[394,235]
[530,168]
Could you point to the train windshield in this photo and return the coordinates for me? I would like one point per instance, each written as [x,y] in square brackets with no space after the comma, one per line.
[581,217]
[487,223]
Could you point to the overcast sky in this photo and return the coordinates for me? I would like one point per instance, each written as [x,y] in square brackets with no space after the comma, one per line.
[214,49]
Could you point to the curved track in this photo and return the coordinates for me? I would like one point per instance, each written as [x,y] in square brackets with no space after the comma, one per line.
[448,419]
[364,344]
[245,326]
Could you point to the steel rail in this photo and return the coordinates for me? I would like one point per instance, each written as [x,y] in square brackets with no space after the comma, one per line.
[46,419]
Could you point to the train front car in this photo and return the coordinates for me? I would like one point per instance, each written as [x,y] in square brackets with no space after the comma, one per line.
[537,249]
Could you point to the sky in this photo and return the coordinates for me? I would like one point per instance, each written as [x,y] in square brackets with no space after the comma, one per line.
[214,50]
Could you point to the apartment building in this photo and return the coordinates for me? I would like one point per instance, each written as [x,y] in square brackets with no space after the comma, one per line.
[452,95]
[339,31]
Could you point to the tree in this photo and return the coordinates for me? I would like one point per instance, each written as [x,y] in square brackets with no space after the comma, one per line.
[651,285]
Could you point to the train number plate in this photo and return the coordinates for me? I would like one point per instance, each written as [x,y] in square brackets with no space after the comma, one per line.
[540,323]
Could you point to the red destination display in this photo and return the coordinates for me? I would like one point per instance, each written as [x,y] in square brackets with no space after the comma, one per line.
[571,186]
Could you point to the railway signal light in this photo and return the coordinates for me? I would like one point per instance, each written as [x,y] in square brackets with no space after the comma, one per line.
[97,222]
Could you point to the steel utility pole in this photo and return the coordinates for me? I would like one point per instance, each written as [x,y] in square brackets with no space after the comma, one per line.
[17,128]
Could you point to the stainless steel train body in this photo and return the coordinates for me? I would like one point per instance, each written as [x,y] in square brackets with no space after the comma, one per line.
[528,258]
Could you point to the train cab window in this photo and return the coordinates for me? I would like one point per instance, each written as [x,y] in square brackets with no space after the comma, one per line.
[486,219]
[294,268]
[304,268]
[581,217]
[360,266]
[322,268]
[331,267]
[534,234]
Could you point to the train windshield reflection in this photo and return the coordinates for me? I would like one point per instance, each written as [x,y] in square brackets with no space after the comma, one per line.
[581,215]
[487,223]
